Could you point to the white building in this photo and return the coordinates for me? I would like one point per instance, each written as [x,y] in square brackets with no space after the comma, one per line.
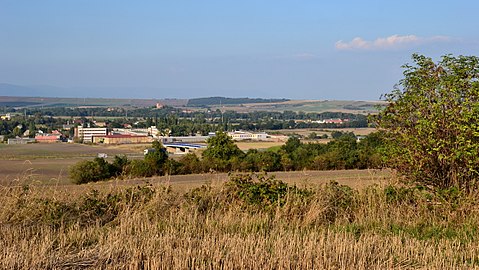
[244,135]
[87,134]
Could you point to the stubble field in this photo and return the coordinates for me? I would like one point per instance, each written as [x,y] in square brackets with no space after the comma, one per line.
[352,219]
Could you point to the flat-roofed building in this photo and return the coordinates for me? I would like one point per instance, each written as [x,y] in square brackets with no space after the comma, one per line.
[122,139]
[87,134]
[21,140]
[244,135]
[47,138]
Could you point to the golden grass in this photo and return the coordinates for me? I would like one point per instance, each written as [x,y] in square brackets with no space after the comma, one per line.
[334,228]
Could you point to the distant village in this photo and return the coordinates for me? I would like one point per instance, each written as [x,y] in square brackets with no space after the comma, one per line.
[91,131]
[127,135]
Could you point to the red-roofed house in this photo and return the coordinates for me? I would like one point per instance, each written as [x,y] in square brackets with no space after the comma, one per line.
[47,138]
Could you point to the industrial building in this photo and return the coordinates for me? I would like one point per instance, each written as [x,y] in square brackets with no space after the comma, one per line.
[86,134]
[122,139]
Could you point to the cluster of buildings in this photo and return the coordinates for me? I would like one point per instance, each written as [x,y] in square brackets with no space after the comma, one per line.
[40,137]
[244,135]
[325,121]
[123,136]
[102,135]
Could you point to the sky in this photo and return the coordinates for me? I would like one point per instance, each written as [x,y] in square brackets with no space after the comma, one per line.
[307,49]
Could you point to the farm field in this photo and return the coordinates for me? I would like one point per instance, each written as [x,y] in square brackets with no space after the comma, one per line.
[320,131]
[357,179]
[47,164]
[317,106]
[56,150]
[246,145]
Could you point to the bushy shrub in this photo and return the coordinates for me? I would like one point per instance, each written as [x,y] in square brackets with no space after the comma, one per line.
[90,171]
[340,201]
[140,168]
[261,190]
[118,165]
[190,163]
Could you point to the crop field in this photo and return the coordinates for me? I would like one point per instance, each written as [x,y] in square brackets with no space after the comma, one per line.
[246,145]
[48,163]
[316,106]
[55,150]
[320,131]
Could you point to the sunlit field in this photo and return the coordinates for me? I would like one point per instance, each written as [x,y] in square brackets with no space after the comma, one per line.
[342,219]
[146,224]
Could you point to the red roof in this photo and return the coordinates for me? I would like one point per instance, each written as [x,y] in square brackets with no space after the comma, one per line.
[118,136]
[47,137]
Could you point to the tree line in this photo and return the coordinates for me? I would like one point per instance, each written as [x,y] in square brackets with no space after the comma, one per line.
[223,155]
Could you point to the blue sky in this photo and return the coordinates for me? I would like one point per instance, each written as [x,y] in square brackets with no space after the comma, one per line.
[350,50]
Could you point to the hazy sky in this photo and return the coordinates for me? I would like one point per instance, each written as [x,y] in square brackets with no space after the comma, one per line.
[263,48]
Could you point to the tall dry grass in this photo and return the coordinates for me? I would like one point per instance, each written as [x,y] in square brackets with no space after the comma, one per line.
[217,227]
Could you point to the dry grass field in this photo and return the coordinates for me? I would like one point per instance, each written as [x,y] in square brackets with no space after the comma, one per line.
[246,145]
[48,163]
[55,150]
[306,131]
[351,219]
[154,227]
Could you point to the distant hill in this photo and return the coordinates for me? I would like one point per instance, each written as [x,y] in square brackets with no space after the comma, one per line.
[197,102]
[19,102]
[242,105]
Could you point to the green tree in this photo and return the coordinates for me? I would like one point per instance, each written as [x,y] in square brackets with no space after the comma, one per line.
[312,135]
[118,165]
[431,122]
[291,145]
[221,149]
[17,131]
[157,158]
[190,163]
[140,168]
[31,129]
[90,171]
